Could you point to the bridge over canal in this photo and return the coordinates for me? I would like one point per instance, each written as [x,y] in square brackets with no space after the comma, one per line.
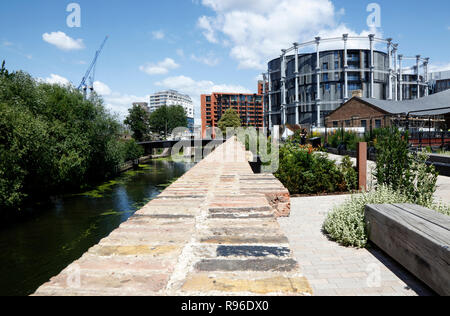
[212,232]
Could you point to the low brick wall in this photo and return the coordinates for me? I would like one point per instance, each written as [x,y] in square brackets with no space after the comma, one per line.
[212,232]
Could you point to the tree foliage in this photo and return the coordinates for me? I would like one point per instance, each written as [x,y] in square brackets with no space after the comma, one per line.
[229,119]
[52,140]
[166,118]
[138,121]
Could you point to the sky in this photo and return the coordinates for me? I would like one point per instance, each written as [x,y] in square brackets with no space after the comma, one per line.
[197,46]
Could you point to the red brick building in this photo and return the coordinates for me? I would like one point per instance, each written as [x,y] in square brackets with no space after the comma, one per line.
[373,113]
[249,107]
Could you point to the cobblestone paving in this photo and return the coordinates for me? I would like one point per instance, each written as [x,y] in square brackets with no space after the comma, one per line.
[333,270]
[213,232]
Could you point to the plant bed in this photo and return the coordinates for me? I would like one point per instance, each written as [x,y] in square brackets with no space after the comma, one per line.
[303,171]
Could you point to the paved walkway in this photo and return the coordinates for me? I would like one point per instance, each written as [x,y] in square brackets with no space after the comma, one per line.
[334,270]
[213,232]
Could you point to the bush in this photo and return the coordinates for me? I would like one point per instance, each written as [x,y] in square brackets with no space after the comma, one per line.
[346,224]
[350,174]
[132,150]
[402,170]
[350,139]
[303,171]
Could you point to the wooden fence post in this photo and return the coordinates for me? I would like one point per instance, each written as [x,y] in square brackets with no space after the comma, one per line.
[362,166]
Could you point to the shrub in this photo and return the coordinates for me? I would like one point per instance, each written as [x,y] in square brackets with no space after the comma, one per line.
[303,171]
[350,174]
[346,224]
[338,137]
[132,150]
[402,170]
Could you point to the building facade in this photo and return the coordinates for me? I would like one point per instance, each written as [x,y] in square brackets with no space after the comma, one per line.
[248,106]
[439,81]
[432,111]
[303,88]
[171,98]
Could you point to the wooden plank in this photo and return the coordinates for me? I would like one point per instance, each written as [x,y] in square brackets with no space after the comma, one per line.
[418,240]
[426,214]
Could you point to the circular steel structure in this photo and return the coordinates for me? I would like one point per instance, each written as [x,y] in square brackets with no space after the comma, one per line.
[303,88]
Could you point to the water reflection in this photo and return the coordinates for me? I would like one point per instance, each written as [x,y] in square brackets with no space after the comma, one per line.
[31,252]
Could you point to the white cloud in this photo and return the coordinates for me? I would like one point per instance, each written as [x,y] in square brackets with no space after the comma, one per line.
[194,89]
[436,67]
[7,44]
[209,59]
[205,23]
[257,30]
[56,79]
[159,35]
[119,103]
[102,88]
[160,68]
[62,41]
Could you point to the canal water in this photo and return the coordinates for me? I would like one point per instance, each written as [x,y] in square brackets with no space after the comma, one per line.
[58,233]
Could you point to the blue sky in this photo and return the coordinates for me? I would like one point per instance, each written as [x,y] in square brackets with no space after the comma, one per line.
[197,46]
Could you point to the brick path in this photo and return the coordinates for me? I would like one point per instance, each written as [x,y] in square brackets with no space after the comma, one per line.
[213,232]
[333,270]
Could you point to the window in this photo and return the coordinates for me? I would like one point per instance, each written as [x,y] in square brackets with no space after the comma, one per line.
[377,123]
[325,66]
[336,76]
[335,124]
[364,123]
[325,77]
[336,65]
[208,99]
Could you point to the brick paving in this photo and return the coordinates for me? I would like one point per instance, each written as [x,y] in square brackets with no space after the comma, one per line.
[333,270]
[212,232]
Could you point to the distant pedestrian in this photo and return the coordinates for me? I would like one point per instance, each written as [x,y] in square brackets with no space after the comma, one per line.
[303,135]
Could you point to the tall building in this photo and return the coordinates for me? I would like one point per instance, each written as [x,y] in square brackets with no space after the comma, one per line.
[439,81]
[171,98]
[303,88]
[248,106]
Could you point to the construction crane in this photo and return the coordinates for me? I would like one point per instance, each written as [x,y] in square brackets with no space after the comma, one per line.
[90,73]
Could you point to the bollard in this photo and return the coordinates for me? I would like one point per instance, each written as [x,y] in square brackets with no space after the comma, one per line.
[362,166]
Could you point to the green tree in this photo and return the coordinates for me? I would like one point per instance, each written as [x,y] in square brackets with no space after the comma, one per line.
[229,119]
[51,140]
[138,121]
[166,118]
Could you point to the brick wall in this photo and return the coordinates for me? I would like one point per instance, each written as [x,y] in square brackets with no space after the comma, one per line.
[352,113]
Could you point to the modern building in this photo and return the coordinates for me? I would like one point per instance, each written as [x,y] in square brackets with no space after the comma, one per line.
[303,88]
[432,111]
[248,106]
[171,98]
[439,81]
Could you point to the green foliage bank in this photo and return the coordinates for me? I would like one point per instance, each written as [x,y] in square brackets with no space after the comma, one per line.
[52,140]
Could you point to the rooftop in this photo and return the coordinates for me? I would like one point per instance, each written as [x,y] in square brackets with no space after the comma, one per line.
[431,103]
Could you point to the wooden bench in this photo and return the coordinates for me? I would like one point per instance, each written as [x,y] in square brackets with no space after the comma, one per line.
[417,238]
